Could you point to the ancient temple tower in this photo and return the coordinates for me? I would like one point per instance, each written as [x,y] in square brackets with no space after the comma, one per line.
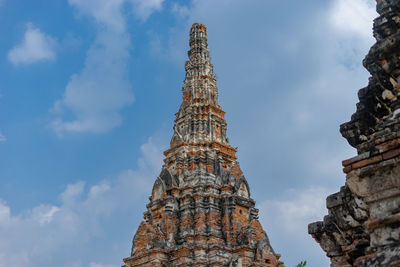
[200,211]
[362,227]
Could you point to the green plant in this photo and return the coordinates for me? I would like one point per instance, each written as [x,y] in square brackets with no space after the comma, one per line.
[302,264]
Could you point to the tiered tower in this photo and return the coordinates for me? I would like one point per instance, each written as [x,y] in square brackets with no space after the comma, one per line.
[200,211]
[362,227]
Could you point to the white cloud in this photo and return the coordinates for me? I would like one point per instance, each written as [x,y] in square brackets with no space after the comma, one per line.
[2,137]
[98,93]
[286,220]
[72,192]
[295,209]
[93,98]
[107,12]
[36,46]
[351,22]
[354,17]
[4,213]
[180,10]
[144,8]
[40,236]
[44,213]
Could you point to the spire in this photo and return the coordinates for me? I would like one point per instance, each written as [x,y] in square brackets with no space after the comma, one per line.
[200,83]
[200,211]
[200,121]
[199,56]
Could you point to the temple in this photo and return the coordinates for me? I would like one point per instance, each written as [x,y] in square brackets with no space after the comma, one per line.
[200,211]
[362,227]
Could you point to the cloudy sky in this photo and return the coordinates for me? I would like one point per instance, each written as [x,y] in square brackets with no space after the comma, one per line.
[88,92]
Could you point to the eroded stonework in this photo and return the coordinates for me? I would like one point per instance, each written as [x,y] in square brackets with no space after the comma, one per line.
[362,227]
[200,211]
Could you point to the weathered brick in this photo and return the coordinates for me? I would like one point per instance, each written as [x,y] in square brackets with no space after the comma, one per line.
[391,154]
[366,162]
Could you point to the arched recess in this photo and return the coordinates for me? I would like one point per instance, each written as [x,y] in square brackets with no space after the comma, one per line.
[168,179]
[158,189]
[242,187]
[219,180]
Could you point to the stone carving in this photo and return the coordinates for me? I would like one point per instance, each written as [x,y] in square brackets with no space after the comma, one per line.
[362,227]
[200,212]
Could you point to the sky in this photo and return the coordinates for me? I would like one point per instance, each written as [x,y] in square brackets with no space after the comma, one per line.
[88,93]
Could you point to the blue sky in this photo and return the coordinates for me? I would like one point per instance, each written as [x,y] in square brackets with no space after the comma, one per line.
[88,92]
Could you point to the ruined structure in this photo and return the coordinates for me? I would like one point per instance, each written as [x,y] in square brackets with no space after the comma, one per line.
[200,211]
[362,227]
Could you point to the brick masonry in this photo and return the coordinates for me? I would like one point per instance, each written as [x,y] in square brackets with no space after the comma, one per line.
[200,211]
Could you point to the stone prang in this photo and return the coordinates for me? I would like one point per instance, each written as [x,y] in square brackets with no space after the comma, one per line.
[362,227]
[200,211]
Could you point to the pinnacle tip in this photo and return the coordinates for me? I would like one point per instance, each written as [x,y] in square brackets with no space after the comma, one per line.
[199,26]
